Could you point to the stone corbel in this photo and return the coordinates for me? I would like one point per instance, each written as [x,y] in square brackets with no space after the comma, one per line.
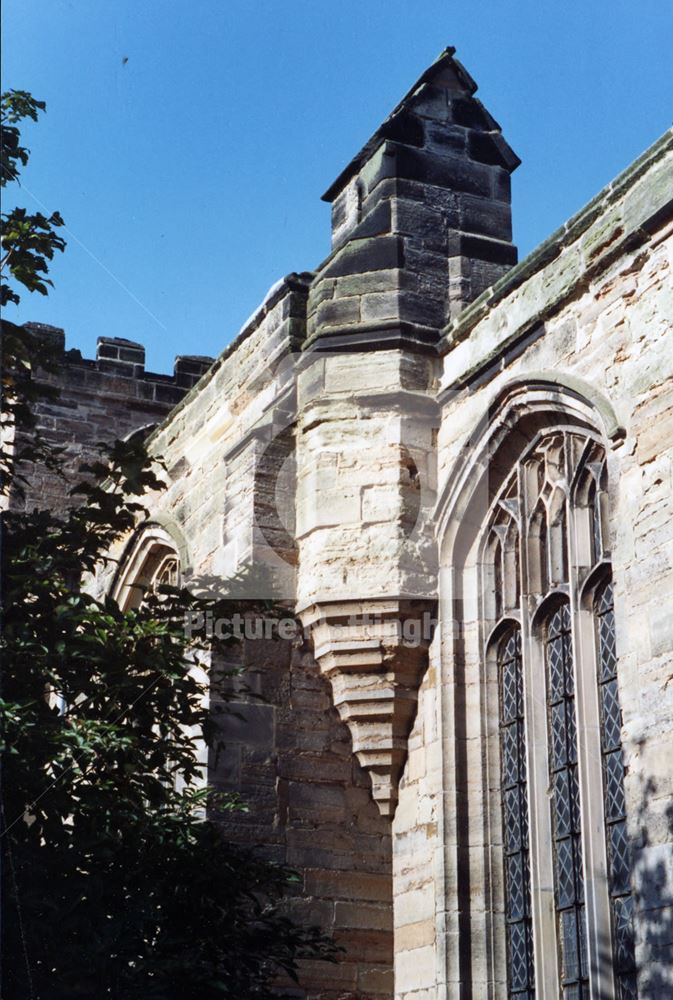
[374,653]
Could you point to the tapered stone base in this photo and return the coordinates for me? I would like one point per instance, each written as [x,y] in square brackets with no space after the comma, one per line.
[374,654]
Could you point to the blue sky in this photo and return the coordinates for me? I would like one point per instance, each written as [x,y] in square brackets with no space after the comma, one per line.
[187,145]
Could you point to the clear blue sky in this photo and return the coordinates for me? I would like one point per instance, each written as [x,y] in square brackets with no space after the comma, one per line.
[187,144]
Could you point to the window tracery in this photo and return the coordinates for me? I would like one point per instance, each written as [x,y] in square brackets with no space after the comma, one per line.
[167,573]
[546,536]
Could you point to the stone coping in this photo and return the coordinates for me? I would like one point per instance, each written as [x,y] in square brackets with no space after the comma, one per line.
[443,60]
[292,282]
[460,328]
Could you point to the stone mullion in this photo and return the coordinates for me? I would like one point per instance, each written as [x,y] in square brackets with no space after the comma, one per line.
[543,907]
[589,770]
[453,964]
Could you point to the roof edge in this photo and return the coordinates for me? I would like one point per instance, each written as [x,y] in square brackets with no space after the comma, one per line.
[459,328]
[296,281]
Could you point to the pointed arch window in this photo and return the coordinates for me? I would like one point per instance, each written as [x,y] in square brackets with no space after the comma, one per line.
[151,563]
[546,536]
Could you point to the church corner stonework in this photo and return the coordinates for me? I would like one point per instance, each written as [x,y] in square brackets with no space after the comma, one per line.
[456,471]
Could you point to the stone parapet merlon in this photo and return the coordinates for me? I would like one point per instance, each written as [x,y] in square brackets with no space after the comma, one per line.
[124,359]
[98,400]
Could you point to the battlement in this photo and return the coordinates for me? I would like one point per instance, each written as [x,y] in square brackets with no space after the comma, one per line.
[125,359]
[97,400]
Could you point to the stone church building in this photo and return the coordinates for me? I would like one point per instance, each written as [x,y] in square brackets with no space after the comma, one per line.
[456,470]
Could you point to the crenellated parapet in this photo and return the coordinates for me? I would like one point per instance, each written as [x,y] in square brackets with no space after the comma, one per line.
[98,400]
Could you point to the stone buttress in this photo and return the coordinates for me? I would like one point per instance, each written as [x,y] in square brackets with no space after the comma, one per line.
[421,225]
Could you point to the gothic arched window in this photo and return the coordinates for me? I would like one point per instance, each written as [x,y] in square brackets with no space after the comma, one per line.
[546,538]
[151,563]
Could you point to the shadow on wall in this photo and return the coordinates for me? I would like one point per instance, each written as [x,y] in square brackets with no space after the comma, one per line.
[653,887]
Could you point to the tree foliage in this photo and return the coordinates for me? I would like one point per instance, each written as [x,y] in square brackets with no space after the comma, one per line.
[29,243]
[117,878]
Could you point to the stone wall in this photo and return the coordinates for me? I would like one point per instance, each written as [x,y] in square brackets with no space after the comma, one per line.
[591,310]
[97,401]
[330,449]
[227,447]
[309,804]
[220,441]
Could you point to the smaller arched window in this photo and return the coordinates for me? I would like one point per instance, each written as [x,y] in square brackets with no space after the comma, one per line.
[151,562]
[520,964]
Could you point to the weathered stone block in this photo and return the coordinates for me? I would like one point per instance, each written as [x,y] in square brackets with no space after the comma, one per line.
[381,305]
[338,312]
[374,254]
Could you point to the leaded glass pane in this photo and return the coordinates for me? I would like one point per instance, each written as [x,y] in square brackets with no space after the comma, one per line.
[509,692]
[556,678]
[570,965]
[513,822]
[613,773]
[568,658]
[611,716]
[623,915]
[518,938]
[565,872]
[515,818]
[628,987]
[579,875]
[574,795]
[512,645]
[510,756]
[562,737]
[562,807]
[618,849]
[608,664]
[559,755]
[555,624]
[620,869]
[603,604]
[515,883]
[571,730]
